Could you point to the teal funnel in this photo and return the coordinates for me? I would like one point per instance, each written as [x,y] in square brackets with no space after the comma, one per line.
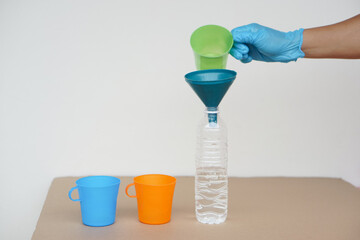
[211,85]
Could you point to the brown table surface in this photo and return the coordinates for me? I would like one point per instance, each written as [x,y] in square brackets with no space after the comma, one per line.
[259,208]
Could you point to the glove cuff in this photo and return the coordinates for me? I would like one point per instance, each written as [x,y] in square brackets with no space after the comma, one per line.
[297,41]
[301,31]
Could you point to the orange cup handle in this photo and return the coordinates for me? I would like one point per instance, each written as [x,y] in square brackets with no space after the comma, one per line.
[126,190]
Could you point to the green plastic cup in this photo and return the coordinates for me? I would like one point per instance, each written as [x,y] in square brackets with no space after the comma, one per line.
[211,45]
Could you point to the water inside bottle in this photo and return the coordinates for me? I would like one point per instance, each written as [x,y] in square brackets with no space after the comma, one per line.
[211,191]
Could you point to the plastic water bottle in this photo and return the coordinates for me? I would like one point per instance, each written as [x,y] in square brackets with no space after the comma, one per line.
[211,181]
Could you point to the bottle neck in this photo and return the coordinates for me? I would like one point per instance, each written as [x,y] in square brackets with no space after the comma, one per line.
[212,115]
[212,109]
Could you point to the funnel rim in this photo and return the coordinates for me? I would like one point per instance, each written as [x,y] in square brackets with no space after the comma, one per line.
[211,81]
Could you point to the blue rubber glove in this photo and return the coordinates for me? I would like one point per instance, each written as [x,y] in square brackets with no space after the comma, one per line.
[256,42]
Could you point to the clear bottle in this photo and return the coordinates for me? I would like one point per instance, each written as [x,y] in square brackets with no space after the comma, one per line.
[211,181]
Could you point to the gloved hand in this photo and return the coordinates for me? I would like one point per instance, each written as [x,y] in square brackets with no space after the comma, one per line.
[256,42]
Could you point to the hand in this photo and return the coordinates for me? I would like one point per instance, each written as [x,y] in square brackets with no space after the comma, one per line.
[256,42]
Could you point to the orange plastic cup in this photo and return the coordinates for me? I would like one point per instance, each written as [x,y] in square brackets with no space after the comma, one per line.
[154,193]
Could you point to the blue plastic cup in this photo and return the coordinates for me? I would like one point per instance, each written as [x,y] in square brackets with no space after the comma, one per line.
[97,197]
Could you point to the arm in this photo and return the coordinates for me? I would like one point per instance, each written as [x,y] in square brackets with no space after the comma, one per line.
[340,40]
[260,43]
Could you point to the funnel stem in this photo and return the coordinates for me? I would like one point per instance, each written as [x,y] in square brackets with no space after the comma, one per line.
[212,113]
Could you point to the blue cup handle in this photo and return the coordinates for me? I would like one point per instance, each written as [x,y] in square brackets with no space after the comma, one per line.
[71,190]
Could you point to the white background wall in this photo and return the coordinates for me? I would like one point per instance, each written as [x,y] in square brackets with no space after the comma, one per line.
[96,87]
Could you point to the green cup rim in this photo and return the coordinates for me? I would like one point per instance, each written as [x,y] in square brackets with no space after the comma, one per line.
[212,25]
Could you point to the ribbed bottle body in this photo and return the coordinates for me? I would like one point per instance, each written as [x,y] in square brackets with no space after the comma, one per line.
[211,180]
